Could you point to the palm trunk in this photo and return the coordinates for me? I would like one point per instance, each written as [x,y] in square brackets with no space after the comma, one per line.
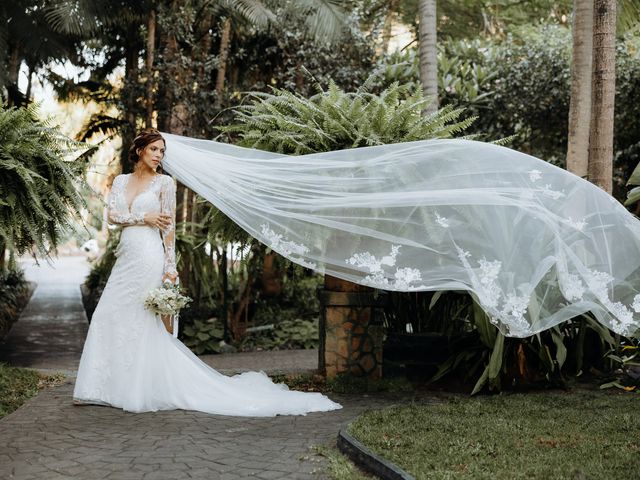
[29,84]
[603,91]
[131,78]
[388,24]
[580,105]
[13,70]
[428,53]
[151,36]
[225,41]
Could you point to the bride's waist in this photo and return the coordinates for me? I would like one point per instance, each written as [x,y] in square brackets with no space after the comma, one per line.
[140,231]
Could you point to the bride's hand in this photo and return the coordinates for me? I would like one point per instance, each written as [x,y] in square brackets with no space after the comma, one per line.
[169,276]
[157,219]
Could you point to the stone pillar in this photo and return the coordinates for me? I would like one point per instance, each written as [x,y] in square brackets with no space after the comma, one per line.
[351,329]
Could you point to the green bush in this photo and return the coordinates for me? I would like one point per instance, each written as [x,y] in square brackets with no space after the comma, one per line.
[521,86]
[14,291]
[203,336]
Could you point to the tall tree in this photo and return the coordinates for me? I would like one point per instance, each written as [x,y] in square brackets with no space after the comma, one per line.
[151,42]
[603,93]
[580,104]
[429,53]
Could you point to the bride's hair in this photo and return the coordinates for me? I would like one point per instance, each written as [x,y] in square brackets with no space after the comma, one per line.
[144,138]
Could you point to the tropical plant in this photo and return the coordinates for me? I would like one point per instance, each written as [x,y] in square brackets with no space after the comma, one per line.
[626,359]
[38,194]
[14,291]
[333,119]
[491,360]
[634,194]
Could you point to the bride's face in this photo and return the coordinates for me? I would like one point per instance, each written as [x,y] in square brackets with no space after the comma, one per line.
[152,154]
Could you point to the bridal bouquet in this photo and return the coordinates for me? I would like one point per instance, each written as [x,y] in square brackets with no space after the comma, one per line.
[167,300]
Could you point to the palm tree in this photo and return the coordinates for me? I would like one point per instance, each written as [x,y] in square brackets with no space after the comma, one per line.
[603,91]
[580,104]
[429,53]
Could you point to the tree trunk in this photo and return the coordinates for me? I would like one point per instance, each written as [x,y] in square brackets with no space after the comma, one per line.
[128,132]
[603,94]
[225,41]
[13,70]
[580,105]
[388,25]
[29,84]
[151,36]
[428,53]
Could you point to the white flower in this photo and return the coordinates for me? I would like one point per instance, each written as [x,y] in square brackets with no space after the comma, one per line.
[166,300]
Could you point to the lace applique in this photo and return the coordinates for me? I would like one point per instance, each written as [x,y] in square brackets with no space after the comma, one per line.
[488,274]
[378,278]
[535,175]
[636,303]
[405,276]
[577,225]
[598,283]
[285,247]
[168,206]
[117,211]
[514,307]
[573,287]
[442,221]
[288,248]
[549,192]
[367,260]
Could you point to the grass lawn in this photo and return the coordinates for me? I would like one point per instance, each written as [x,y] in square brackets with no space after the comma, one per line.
[547,435]
[17,385]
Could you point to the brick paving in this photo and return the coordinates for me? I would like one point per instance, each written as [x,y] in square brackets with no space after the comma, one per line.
[50,438]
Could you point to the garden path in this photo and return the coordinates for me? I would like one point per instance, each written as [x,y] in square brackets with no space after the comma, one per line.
[50,333]
[49,437]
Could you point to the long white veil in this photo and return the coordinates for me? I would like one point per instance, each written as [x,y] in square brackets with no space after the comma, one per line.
[534,244]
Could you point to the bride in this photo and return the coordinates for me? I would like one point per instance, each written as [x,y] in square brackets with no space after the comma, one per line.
[129,360]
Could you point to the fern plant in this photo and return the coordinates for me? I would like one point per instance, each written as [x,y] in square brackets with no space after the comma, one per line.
[284,122]
[38,194]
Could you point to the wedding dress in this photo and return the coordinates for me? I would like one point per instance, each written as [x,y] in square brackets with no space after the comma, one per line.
[533,244]
[131,362]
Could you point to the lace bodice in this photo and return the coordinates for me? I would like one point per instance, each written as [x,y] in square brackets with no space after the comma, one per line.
[160,195]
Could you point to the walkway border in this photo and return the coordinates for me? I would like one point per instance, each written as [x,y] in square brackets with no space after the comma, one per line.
[368,460]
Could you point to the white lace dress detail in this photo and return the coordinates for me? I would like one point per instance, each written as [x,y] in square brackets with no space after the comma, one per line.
[131,362]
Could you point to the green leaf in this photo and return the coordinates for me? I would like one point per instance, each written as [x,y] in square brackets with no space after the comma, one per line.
[561,349]
[481,381]
[632,197]
[634,179]
[495,361]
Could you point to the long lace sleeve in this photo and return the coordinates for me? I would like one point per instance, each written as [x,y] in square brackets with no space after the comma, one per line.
[168,206]
[117,212]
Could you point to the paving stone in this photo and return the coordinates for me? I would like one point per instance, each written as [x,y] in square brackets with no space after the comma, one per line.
[49,438]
